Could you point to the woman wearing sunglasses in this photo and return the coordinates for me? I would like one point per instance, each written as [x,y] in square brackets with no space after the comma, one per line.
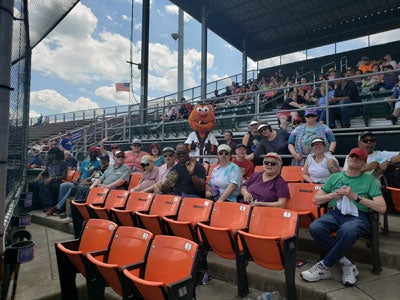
[226,179]
[267,188]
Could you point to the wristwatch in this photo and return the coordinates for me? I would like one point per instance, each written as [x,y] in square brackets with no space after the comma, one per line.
[358,198]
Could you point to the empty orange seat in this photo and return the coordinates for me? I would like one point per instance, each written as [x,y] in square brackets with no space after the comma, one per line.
[95,196]
[395,196]
[292,173]
[168,272]
[271,241]
[137,201]
[134,180]
[115,198]
[71,255]
[128,246]
[162,206]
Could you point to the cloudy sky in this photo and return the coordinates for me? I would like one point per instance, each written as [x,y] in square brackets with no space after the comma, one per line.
[77,65]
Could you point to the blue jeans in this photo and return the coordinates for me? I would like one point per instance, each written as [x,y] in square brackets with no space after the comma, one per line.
[63,194]
[348,230]
[346,112]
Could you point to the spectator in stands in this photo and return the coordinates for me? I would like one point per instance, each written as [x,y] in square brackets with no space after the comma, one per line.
[285,114]
[330,74]
[389,61]
[39,120]
[66,143]
[359,80]
[300,138]
[169,155]
[35,161]
[346,92]
[272,141]
[252,138]
[297,121]
[228,137]
[133,158]
[46,121]
[387,82]
[396,112]
[72,162]
[349,72]
[149,176]
[376,79]
[349,195]
[245,165]
[323,102]
[226,178]
[365,65]
[320,164]
[114,148]
[267,188]
[184,109]
[47,184]
[189,176]
[155,151]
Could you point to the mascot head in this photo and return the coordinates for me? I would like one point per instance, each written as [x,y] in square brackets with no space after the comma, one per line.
[202,118]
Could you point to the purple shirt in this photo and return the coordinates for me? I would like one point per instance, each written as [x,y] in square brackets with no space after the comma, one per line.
[266,191]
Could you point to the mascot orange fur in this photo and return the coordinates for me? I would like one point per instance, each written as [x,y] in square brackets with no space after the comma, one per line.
[202,141]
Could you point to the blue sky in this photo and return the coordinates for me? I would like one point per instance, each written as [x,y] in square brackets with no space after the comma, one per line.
[77,65]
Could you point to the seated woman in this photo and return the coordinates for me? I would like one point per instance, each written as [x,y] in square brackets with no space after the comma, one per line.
[226,179]
[267,188]
[149,175]
[155,151]
[320,164]
[285,113]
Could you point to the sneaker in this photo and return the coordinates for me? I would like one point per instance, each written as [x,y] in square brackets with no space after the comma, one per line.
[58,212]
[350,272]
[316,273]
[66,220]
[51,211]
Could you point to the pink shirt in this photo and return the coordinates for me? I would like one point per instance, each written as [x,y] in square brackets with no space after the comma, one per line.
[134,160]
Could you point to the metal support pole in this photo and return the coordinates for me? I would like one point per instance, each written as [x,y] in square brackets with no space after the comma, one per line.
[145,60]
[203,54]
[180,55]
[244,62]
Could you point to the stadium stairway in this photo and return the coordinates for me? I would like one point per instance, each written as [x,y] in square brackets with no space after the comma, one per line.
[369,286]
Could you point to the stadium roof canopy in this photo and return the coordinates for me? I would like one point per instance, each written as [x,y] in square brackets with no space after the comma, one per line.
[277,27]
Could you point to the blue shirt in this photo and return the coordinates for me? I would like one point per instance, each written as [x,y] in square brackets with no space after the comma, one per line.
[87,167]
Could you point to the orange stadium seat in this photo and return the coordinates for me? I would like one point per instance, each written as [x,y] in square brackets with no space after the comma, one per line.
[292,173]
[134,180]
[137,201]
[95,196]
[115,198]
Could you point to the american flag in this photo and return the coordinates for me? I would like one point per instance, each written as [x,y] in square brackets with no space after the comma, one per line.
[122,87]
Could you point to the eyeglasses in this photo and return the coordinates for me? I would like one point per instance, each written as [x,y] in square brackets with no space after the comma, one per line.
[120,156]
[136,145]
[311,116]
[223,153]
[167,155]
[144,165]
[114,147]
[270,163]
[366,141]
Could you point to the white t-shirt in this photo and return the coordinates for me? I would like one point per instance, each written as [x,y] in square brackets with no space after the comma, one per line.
[193,138]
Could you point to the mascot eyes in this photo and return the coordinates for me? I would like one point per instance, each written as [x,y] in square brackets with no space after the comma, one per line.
[203,109]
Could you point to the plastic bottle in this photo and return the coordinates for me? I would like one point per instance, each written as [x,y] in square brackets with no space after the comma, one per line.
[275,295]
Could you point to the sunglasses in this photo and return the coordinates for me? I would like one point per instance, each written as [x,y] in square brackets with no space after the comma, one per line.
[296,123]
[223,153]
[144,165]
[120,156]
[167,155]
[366,141]
[270,163]
[114,147]
[310,116]
[136,145]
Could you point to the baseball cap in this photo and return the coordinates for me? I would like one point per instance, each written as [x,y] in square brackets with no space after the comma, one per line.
[360,153]
[241,145]
[273,155]
[120,154]
[136,141]
[297,119]
[104,156]
[310,111]
[262,126]
[146,159]
[94,149]
[224,147]
[166,149]
[254,122]
[364,134]
[318,139]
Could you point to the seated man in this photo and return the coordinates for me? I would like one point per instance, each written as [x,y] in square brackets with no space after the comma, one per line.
[189,176]
[350,194]
[245,165]
[35,161]
[149,176]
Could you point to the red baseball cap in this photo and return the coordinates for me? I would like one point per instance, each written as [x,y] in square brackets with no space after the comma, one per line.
[360,153]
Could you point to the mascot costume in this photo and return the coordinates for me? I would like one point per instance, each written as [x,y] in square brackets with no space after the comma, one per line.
[202,141]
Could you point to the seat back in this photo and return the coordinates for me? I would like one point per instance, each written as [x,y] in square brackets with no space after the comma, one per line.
[137,201]
[170,260]
[268,228]
[301,201]
[191,211]
[226,218]
[115,198]
[76,175]
[292,173]
[258,169]
[128,246]
[134,180]
[162,205]
[395,195]
[95,196]
[70,175]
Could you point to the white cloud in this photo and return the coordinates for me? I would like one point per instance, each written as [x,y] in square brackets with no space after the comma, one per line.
[109,17]
[174,10]
[51,100]
[125,18]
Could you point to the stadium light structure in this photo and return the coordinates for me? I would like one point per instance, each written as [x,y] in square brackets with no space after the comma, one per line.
[179,37]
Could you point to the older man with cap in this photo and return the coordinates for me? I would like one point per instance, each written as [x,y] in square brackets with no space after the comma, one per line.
[349,194]
[133,158]
[245,165]
[169,155]
[252,138]
[226,178]
[299,142]
[149,176]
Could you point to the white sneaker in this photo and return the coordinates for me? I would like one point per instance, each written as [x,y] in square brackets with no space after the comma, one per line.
[350,272]
[316,273]
[66,220]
